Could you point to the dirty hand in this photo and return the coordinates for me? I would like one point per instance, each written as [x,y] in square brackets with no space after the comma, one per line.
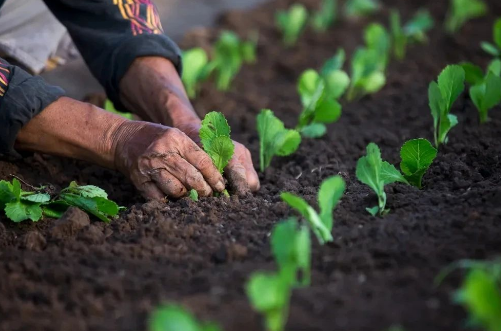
[240,171]
[164,162]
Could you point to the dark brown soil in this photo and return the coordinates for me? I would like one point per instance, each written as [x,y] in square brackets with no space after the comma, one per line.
[75,275]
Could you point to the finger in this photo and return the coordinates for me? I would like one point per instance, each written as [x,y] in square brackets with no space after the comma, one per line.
[237,177]
[150,191]
[168,184]
[250,173]
[203,163]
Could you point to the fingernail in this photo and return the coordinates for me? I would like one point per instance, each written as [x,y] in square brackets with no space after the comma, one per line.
[220,186]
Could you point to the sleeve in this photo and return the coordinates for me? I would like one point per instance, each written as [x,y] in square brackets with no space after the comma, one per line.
[110,34]
[22,97]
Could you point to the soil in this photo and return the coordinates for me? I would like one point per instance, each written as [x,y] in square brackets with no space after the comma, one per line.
[75,274]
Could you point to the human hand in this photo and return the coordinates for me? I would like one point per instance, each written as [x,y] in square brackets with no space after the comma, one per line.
[164,162]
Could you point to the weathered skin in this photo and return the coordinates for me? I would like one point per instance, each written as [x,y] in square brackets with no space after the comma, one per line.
[162,160]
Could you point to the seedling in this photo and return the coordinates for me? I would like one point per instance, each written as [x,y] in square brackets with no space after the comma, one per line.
[292,23]
[291,246]
[461,11]
[378,39]
[195,70]
[441,96]
[417,155]
[414,31]
[228,56]
[269,294]
[175,318]
[330,192]
[485,91]
[325,16]
[274,138]
[319,93]
[193,195]
[367,77]
[494,49]
[480,293]
[108,106]
[20,205]
[360,8]
[376,173]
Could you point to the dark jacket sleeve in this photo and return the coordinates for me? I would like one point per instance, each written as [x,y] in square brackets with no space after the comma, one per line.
[22,97]
[110,34]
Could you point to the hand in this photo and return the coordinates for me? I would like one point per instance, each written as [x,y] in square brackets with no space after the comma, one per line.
[240,171]
[162,161]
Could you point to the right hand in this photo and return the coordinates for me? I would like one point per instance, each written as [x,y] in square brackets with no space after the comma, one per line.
[164,162]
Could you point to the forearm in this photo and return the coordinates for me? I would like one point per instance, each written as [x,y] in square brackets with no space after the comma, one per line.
[153,90]
[72,129]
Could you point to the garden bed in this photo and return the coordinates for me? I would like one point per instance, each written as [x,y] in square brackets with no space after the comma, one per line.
[378,272]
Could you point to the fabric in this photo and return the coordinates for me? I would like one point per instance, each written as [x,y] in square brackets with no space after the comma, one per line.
[109,34]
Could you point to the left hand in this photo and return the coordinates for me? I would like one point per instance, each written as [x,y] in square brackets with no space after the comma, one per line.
[240,171]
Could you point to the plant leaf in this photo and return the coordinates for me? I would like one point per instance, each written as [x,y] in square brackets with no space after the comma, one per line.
[328,111]
[417,155]
[369,168]
[451,84]
[314,130]
[390,174]
[36,197]
[330,192]
[336,83]
[19,211]
[473,74]
[215,138]
[335,63]
[490,49]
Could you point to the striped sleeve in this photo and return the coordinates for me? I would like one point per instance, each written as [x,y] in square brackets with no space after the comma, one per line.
[110,34]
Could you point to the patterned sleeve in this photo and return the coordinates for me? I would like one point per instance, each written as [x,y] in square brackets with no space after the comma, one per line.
[110,34]
[22,97]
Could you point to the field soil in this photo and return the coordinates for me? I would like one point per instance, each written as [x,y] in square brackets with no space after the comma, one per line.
[79,274]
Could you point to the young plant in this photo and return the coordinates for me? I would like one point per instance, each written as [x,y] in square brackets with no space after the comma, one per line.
[274,138]
[228,56]
[291,247]
[292,23]
[195,69]
[494,49]
[378,39]
[461,11]
[20,205]
[325,16]
[269,294]
[485,91]
[414,31]
[175,318]
[360,8]
[417,155]
[215,138]
[319,93]
[330,192]
[376,173]
[367,77]
[441,96]
[193,195]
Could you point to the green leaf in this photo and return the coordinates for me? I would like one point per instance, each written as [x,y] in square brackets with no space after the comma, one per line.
[325,16]
[227,59]
[215,138]
[417,155]
[369,168]
[175,318]
[495,67]
[55,209]
[16,189]
[310,87]
[358,8]
[462,11]
[90,205]
[328,111]
[19,211]
[314,130]
[373,211]
[336,83]
[497,32]
[398,35]
[451,84]
[193,195]
[330,192]
[378,39]
[298,203]
[269,294]
[473,74]
[390,174]
[419,25]
[291,23]
[6,193]
[195,61]
[274,138]
[486,95]
[490,49]
[36,197]
[89,191]
[335,63]
[480,294]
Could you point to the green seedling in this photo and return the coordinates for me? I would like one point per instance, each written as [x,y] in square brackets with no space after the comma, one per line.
[376,173]
[367,77]
[291,247]
[417,155]
[414,31]
[494,49]
[378,39]
[330,192]
[480,292]
[485,91]
[269,294]
[193,195]
[325,16]
[319,93]
[108,106]
[229,53]
[175,318]
[20,205]
[195,70]
[292,23]
[360,8]
[461,11]
[274,138]
[441,96]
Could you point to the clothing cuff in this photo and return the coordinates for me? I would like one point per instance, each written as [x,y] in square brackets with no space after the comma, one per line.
[134,47]
[26,96]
